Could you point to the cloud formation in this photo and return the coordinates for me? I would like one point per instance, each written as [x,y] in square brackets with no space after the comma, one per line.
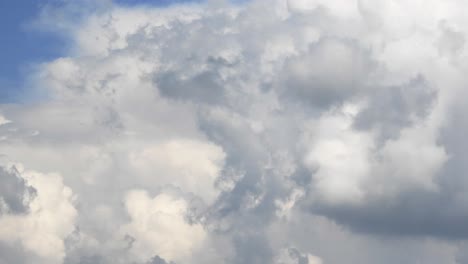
[276,131]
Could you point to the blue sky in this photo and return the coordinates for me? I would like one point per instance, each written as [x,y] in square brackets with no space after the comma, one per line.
[22,46]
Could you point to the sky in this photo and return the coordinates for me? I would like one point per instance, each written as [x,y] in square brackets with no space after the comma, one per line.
[24,46]
[20,46]
[233,132]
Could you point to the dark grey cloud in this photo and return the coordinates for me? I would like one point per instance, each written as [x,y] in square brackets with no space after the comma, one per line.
[411,214]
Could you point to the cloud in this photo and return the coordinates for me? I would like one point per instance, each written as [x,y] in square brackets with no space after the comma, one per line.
[4,121]
[15,193]
[315,77]
[264,132]
[293,256]
[392,108]
[157,260]
[40,231]
[158,225]
[196,165]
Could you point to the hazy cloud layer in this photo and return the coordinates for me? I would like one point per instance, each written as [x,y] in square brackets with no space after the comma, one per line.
[276,131]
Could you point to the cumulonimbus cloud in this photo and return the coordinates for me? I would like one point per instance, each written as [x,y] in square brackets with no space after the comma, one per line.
[285,131]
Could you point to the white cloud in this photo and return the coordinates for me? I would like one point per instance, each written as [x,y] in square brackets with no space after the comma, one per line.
[193,166]
[49,220]
[341,158]
[3,120]
[160,227]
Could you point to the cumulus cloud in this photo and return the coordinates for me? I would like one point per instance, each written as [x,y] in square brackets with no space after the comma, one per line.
[40,231]
[159,225]
[273,131]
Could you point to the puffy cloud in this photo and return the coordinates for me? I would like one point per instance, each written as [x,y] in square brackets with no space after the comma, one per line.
[191,165]
[50,218]
[159,225]
[253,133]
[335,139]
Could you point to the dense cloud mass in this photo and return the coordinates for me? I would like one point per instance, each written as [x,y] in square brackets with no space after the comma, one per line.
[272,131]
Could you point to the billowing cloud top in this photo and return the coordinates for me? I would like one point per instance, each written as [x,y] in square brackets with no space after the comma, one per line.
[276,131]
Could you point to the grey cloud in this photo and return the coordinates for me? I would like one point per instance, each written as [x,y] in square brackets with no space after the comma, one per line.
[232,203]
[394,107]
[252,248]
[297,256]
[412,214]
[90,260]
[451,41]
[13,254]
[158,260]
[205,87]
[330,72]
[15,194]
[452,136]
